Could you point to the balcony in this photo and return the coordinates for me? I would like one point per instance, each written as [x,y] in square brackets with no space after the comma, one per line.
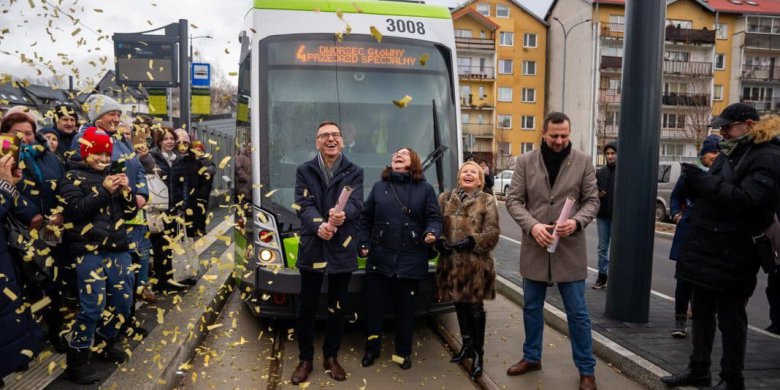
[690,36]
[688,68]
[478,129]
[673,34]
[686,99]
[761,73]
[611,63]
[762,41]
[608,131]
[609,96]
[469,103]
[476,72]
[674,134]
[764,105]
[475,44]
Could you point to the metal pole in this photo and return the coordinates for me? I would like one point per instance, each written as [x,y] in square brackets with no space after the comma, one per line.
[184,75]
[633,222]
[565,46]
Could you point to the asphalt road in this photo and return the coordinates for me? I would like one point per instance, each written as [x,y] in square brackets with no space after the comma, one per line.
[663,281]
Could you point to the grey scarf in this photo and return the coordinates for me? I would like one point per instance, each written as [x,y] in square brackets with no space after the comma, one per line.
[325,172]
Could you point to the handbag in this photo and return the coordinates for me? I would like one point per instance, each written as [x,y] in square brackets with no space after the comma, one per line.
[158,203]
[31,255]
[185,262]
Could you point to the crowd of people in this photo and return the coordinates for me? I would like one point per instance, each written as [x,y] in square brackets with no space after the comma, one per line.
[80,241]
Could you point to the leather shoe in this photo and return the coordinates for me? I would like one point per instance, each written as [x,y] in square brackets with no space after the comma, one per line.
[523,367]
[687,378]
[302,371]
[368,359]
[334,369]
[587,382]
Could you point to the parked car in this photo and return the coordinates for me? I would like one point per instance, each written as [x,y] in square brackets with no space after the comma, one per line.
[668,173]
[502,181]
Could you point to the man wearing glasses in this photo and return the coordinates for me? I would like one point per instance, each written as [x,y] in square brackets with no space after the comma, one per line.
[735,203]
[327,247]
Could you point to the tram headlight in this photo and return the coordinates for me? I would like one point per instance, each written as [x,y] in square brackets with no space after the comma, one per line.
[266,255]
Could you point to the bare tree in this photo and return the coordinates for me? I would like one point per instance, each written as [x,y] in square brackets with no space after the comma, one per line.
[697,108]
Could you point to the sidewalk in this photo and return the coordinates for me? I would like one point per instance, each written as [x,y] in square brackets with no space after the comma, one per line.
[647,351]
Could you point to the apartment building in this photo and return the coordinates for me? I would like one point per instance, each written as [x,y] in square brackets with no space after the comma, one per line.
[501,54]
[716,52]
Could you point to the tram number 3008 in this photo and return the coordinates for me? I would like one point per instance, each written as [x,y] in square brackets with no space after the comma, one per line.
[405,26]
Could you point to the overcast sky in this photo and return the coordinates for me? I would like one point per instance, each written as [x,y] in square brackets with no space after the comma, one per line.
[34,29]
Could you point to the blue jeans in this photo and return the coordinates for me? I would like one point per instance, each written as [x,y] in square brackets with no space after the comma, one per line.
[138,234]
[573,294]
[103,280]
[605,233]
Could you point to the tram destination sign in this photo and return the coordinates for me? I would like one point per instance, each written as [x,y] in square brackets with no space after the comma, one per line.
[358,54]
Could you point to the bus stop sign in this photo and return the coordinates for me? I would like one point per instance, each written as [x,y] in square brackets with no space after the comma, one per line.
[201,74]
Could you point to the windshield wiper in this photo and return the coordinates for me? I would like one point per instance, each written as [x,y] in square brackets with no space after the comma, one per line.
[438,152]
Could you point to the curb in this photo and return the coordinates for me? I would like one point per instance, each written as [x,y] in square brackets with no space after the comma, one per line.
[630,364]
[172,344]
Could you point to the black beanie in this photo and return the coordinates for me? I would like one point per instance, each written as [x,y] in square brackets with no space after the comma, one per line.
[610,145]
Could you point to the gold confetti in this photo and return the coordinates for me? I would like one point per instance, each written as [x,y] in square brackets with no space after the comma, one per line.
[320,265]
[295,207]
[398,359]
[86,228]
[98,10]
[27,352]
[37,306]
[52,366]
[160,315]
[271,193]
[373,337]
[214,326]
[149,75]
[10,294]
[76,31]
[376,34]
[424,59]
[224,162]
[403,102]
[347,241]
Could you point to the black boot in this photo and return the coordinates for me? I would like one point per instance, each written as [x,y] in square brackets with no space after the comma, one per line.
[108,350]
[688,378]
[78,370]
[478,335]
[464,323]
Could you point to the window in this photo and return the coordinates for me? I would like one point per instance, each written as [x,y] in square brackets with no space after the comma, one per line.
[664,170]
[502,11]
[528,122]
[529,95]
[483,8]
[529,40]
[526,147]
[612,118]
[673,121]
[504,148]
[675,88]
[722,31]
[679,23]
[465,118]
[757,93]
[673,55]
[529,68]
[460,33]
[504,121]
[505,67]
[482,92]
[617,19]
[504,94]
[717,92]
[720,61]
[506,38]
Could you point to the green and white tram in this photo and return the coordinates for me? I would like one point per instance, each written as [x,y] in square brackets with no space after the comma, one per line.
[353,62]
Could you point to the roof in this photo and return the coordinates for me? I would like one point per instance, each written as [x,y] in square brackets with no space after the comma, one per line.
[48,93]
[482,19]
[727,6]
[14,95]
[515,2]
[108,82]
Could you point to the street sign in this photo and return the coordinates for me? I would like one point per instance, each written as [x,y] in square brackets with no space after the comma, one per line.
[148,60]
[201,101]
[201,74]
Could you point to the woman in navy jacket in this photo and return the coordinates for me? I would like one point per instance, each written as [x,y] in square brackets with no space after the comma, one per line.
[399,223]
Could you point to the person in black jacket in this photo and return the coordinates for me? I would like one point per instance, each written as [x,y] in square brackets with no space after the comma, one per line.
[735,202]
[96,204]
[399,223]
[489,180]
[66,123]
[191,183]
[605,180]
[19,331]
[327,246]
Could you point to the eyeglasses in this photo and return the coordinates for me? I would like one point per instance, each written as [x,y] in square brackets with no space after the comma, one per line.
[401,153]
[324,136]
[729,126]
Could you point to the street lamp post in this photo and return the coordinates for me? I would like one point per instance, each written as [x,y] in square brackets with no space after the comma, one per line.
[565,39]
[198,37]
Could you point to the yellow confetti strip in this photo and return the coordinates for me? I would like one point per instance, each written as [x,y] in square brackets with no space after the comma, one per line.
[398,359]
[373,337]
[223,163]
[214,326]
[424,59]
[160,315]
[347,241]
[27,352]
[376,34]
[10,294]
[320,265]
[271,193]
[37,306]
[403,102]
[87,228]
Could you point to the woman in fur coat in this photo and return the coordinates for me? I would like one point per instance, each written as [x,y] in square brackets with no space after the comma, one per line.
[466,273]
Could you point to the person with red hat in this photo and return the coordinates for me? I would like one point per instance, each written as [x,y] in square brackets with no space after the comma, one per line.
[96,202]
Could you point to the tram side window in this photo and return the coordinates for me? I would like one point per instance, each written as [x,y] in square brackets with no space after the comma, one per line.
[242,188]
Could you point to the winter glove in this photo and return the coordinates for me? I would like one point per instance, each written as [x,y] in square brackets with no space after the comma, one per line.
[465,244]
[443,247]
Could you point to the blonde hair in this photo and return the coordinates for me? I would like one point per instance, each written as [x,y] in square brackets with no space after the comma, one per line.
[479,170]
[766,129]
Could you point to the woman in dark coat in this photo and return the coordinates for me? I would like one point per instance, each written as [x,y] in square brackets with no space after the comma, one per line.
[399,223]
[21,338]
[466,273]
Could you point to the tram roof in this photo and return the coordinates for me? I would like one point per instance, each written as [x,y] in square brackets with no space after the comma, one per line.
[358,6]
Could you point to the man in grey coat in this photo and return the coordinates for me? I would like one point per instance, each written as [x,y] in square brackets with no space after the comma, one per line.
[542,181]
